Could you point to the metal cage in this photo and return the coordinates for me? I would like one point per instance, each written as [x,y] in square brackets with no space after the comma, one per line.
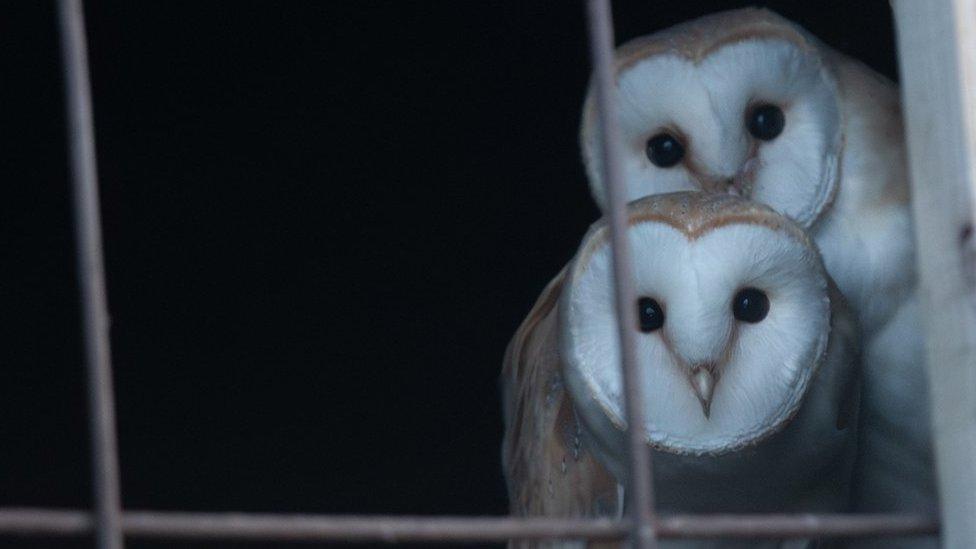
[937,46]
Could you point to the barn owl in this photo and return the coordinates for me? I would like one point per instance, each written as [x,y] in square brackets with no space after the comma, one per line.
[746,355]
[745,102]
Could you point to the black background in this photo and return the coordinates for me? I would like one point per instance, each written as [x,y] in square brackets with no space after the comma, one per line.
[323,221]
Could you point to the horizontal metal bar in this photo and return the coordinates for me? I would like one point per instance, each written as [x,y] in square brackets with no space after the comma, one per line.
[796,526]
[244,526]
[391,529]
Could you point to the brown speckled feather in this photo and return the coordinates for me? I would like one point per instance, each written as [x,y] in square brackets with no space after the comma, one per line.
[547,466]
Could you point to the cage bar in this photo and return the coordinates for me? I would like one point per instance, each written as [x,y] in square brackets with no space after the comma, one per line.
[394,529]
[937,56]
[639,490]
[91,275]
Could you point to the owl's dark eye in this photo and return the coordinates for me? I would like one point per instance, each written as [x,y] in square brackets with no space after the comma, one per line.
[750,305]
[650,314]
[664,150]
[765,122]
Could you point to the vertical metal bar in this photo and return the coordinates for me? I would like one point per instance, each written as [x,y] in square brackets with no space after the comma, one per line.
[936,43]
[91,275]
[640,488]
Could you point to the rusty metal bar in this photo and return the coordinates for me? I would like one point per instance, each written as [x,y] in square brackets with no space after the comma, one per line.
[640,490]
[256,526]
[91,275]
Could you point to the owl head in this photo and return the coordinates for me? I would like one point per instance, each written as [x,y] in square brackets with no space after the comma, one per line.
[733,322]
[738,102]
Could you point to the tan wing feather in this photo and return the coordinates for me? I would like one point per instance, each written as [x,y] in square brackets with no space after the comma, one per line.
[548,468]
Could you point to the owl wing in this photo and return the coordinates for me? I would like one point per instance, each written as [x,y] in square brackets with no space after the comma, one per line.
[547,465]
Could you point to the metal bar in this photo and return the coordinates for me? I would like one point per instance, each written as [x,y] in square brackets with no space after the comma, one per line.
[245,526]
[795,526]
[254,526]
[936,43]
[91,275]
[640,490]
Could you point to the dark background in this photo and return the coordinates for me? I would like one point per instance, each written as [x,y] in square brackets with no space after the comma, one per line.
[323,222]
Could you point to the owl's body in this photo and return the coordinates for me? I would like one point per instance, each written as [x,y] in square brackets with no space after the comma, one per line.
[866,237]
[894,472]
[551,470]
[748,103]
[770,429]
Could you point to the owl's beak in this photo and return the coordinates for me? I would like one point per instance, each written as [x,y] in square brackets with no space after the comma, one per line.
[703,383]
[739,184]
[721,185]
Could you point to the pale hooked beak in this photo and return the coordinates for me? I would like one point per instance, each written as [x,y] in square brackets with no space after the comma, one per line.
[740,184]
[703,382]
[721,185]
